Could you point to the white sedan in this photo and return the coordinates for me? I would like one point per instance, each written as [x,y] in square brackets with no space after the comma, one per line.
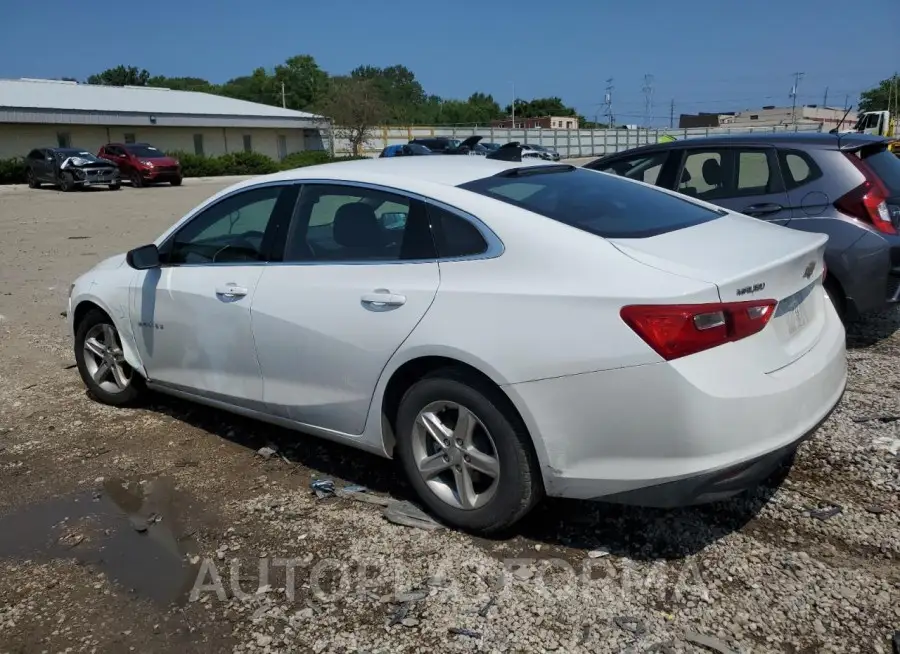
[507,329]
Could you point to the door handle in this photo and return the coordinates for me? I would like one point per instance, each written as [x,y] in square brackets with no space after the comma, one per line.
[231,290]
[383,298]
[763,209]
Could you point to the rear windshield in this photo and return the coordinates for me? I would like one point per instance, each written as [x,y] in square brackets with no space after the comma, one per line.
[597,203]
[887,166]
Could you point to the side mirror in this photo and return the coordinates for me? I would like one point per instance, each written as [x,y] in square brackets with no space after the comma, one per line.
[144,257]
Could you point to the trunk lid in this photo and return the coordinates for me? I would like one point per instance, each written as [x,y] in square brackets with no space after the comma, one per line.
[748,259]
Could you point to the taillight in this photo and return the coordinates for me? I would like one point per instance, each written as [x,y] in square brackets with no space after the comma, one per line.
[868,201]
[677,330]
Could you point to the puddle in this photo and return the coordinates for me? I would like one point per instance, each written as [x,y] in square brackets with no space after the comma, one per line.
[114,530]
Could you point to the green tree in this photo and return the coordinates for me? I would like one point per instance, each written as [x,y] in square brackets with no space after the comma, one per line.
[121,76]
[257,87]
[305,84]
[183,83]
[877,98]
[400,91]
[356,108]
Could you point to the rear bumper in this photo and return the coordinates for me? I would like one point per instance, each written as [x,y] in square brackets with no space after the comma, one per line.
[871,276]
[670,434]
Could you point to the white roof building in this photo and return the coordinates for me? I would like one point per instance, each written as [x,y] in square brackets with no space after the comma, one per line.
[40,113]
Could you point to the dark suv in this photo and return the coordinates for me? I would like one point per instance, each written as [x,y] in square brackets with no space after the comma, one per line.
[844,185]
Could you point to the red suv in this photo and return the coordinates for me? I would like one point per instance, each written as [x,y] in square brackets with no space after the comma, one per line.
[142,164]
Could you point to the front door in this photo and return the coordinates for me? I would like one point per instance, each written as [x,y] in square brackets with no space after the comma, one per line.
[191,316]
[359,273]
[743,179]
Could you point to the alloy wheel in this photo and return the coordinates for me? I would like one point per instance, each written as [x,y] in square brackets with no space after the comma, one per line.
[104,359]
[455,455]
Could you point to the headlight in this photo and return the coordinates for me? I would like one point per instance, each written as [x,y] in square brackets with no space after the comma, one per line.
[149,164]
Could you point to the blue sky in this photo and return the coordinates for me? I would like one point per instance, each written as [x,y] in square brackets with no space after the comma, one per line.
[706,55]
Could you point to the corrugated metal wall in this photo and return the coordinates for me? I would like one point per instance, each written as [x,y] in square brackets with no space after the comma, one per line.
[569,143]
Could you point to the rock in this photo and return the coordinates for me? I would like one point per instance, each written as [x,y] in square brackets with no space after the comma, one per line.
[411,596]
[263,640]
[596,554]
[819,627]
[630,624]
[523,573]
[409,622]
[266,452]
[408,514]
[709,642]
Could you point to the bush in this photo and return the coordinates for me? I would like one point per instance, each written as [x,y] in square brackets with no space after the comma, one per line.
[249,163]
[305,158]
[12,171]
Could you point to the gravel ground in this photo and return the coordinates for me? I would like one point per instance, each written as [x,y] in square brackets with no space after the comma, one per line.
[162,528]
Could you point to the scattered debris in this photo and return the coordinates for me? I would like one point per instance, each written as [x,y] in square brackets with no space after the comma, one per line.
[64,314]
[877,509]
[523,573]
[399,615]
[892,445]
[266,452]
[825,513]
[882,418]
[630,624]
[596,554]
[411,596]
[709,642]
[186,463]
[408,514]
[323,488]
[409,622]
[484,610]
[78,238]
[140,524]
[459,631]
[666,647]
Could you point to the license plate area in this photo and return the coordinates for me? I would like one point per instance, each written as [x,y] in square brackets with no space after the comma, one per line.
[795,311]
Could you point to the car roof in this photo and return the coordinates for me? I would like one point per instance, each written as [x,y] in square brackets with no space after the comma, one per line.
[448,171]
[799,139]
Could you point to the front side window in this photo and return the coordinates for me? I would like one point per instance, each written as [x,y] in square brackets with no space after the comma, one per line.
[232,230]
[603,205]
[645,168]
[337,223]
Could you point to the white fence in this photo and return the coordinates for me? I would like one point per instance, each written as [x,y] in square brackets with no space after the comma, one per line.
[568,142]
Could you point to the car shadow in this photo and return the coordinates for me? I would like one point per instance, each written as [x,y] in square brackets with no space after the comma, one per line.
[568,527]
[873,328]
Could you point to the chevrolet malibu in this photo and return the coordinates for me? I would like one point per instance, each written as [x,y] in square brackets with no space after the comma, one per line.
[507,330]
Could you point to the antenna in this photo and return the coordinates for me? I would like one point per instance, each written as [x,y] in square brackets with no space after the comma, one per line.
[648,100]
[608,100]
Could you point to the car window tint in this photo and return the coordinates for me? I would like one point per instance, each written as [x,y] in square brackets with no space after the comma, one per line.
[753,172]
[350,224]
[887,167]
[231,230]
[644,169]
[797,168]
[702,175]
[600,204]
[454,235]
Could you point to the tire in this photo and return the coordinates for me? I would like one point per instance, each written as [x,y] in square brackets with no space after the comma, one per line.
[838,300]
[31,179]
[516,488]
[136,180]
[66,183]
[105,387]
[115,187]
[176,182]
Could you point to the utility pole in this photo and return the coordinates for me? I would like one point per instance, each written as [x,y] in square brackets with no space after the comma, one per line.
[825,101]
[796,87]
[608,99]
[648,100]
[672,114]
[283,100]
[513,105]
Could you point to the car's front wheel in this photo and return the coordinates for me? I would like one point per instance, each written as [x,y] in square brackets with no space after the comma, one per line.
[136,180]
[31,179]
[115,186]
[176,181]
[101,361]
[66,182]
[466,452]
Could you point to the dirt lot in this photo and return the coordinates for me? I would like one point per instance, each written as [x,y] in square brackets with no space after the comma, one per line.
[162,529]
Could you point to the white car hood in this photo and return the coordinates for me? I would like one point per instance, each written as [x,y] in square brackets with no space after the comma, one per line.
[113,262]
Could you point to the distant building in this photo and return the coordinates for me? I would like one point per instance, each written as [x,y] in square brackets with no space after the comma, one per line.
[540,122]
[50,113]
[702,119]
[770,116]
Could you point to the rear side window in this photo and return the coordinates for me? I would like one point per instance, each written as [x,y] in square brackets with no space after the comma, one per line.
[797,168]
[455,236]
[645,168]
[599,204]
[887,167]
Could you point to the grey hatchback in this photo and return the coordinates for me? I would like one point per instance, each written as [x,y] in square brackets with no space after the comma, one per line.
[844,185]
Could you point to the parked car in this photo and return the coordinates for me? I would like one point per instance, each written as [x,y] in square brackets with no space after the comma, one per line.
[549,153]
[504,338]
[69,169]
[142,164]
[844,185]
[437,144]
[490,147]
[407,150]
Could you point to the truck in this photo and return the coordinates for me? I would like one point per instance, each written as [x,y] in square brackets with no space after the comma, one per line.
[882,123]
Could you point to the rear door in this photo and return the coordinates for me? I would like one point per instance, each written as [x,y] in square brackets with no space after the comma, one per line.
[359,272]
[745,179]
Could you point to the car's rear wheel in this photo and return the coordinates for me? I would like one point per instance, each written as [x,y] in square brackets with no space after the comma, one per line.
[115,186]
[466,452]
[66,182]
[101,361]
[31,179]
[176,181]
[136,180]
